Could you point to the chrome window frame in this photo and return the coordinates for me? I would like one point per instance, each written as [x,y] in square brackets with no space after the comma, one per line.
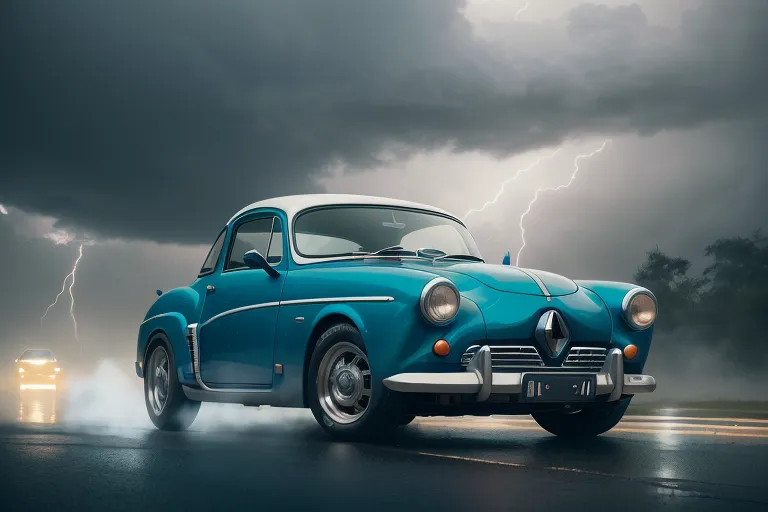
[223,233]
[233,237]
[300,259]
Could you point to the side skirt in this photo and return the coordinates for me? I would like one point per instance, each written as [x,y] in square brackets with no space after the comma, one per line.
[264,397]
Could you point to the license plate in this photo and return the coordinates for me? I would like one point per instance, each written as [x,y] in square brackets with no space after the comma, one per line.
[544,387]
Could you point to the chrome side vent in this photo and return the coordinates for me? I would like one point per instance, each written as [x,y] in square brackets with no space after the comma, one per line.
[585,358]
[193,352]
[503,357]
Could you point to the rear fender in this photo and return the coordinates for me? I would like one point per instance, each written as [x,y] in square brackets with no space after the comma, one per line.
[174,327]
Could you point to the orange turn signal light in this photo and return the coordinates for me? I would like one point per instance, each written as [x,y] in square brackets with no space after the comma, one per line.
[441,348]
[630,351]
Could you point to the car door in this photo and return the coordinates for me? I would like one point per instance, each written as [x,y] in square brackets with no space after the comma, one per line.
[237,326]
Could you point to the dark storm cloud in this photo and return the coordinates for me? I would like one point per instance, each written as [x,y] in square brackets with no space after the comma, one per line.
[160,119]
[115,285]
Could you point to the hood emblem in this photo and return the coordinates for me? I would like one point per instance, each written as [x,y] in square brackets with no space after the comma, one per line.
[552,333]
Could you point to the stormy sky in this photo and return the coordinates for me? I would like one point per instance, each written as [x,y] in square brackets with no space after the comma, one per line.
[143,126]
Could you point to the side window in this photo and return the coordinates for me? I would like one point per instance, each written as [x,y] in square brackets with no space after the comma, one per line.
[256,234]
[213,255]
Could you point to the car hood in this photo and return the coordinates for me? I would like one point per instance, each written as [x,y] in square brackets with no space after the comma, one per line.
[505,278]
[513,310]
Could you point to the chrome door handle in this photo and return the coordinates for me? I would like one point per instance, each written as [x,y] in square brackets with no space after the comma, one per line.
[210,288]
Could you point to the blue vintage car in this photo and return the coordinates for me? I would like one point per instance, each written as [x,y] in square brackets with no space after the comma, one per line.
[371,311]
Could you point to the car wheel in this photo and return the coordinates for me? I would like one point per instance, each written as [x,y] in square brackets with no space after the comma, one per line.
[343,397]
[588,422]
[168,407]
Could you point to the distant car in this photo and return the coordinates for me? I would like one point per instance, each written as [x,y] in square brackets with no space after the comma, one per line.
[38,369]
[371,311]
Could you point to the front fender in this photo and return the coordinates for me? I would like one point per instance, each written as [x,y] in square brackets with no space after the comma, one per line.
[398,339]
[346,310]
[612,294]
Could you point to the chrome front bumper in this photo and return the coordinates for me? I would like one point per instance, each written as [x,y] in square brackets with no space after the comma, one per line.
[481,380]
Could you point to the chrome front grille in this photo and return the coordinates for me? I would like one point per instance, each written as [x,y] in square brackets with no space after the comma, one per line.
[505,357]
[585,358]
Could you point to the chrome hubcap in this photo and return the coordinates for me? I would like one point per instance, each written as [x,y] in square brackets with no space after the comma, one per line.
[158,382]
[344,383]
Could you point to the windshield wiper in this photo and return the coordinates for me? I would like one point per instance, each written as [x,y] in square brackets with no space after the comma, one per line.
[395,250]
[467,257]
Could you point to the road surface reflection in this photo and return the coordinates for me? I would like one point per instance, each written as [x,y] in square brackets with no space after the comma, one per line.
[37,406]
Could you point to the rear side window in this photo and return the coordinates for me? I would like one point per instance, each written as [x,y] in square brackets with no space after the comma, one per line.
[263,235]
[213,255]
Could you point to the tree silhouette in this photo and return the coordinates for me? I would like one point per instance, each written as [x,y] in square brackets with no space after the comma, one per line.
[668,279]
[725,307]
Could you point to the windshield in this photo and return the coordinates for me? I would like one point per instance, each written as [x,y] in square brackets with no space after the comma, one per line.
[45,355]
[350,230]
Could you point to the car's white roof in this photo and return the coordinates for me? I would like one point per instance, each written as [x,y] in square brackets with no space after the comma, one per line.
[291,205]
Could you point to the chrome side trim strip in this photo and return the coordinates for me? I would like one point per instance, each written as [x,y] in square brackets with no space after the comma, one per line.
[239,310]
[153,317]
[320,300]
[326,300]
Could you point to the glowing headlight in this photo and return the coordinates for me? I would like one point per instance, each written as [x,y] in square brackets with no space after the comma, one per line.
[639,307]
[21,370]
[440,301]
[57,370]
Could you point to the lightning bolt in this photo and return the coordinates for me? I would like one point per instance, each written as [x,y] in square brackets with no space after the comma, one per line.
[3,210]
[521,11]
[508,181]
[547,189]
[72,297]
[63,285]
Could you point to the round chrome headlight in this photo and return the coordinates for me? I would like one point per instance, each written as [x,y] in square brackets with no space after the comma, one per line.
[440,301]
[639,307]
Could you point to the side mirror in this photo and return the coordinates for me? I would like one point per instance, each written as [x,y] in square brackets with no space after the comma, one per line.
[159,292]
[253,259]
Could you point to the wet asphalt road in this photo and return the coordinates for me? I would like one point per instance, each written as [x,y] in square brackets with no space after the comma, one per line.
[283,460]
